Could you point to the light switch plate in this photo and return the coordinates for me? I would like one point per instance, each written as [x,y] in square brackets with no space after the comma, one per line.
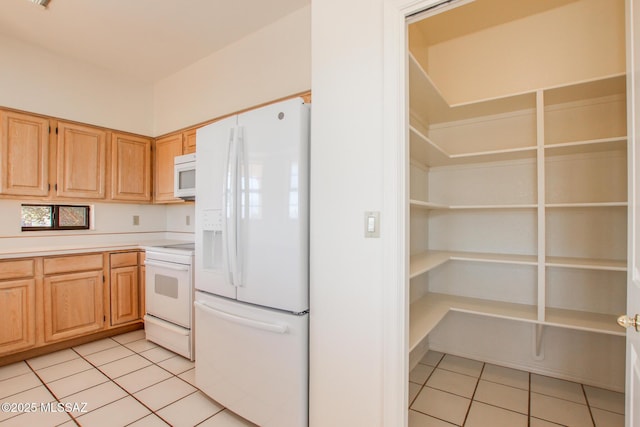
[372,224]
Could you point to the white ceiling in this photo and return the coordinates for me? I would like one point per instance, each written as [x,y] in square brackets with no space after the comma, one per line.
[145,39]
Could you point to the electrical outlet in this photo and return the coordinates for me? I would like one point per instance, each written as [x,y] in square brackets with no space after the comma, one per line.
[136,220]
[188,220]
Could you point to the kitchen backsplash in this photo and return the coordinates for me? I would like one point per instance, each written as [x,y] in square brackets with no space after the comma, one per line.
[113,224]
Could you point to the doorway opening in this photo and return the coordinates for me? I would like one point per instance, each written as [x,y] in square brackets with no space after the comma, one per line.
[518,187]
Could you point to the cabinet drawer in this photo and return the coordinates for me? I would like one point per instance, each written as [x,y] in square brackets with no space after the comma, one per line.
[124,259]
[17,269]
[66,264]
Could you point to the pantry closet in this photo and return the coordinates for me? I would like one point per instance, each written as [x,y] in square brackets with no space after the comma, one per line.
[518,186]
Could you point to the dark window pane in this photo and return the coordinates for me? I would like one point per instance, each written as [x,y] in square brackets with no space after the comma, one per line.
[37,216]
[73,216]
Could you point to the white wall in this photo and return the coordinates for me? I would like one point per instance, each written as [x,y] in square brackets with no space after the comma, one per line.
[346,378]
[40,81]
[592,26]
[271,63]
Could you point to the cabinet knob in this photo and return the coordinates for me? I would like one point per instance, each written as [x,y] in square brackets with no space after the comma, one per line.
[626,321]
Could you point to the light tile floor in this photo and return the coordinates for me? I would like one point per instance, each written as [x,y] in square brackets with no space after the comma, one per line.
[446,390]
[124,381]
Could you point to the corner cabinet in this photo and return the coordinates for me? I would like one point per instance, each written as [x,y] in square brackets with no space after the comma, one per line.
[81,161]
[24,154]
[130,168]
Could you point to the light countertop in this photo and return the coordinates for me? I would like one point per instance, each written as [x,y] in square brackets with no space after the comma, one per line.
[9,253]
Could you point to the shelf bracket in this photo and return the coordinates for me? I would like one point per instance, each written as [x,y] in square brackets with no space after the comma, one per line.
[538,347]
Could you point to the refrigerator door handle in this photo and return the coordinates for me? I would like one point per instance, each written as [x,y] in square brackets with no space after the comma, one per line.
[229,206]
[252,323]
[241,191]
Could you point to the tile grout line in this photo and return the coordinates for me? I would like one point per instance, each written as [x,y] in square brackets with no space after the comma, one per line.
[424,384]
[466,416]
[586,399]
[69,414]
[529,401]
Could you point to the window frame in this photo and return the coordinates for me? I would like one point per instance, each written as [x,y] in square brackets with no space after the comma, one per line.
[55,218]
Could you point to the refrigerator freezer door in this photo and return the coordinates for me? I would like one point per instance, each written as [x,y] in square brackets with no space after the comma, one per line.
[273,145]
[253,360]
[215,212]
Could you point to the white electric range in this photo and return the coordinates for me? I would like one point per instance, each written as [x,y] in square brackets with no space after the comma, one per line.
[168,320]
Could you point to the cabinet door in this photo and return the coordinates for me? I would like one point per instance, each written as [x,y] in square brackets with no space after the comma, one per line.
[17,315]
[130,168]
[81,161]
[189,145]
[73,305]
[24,155]
[167,149]
[125,301]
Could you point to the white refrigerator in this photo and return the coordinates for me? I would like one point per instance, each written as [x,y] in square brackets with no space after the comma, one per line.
[252,263]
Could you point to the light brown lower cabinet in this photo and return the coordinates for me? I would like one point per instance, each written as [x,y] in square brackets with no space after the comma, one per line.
[125,301]
[73,305]
[48,300]
[17,315]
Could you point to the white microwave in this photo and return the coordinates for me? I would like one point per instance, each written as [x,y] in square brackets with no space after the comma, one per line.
[184,178]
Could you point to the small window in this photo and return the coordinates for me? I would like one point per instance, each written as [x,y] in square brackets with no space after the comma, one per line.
[54,217]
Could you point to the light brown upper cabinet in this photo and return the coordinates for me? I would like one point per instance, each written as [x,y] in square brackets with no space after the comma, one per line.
[167,148]
[81,161]
[189,143]
[130,168]
[24,155]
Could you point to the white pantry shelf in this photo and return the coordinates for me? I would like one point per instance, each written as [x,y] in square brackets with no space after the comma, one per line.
[428,311]
[427,152]
[427,205]
[587,205]
[584,321]
[586,263]
[426,261]
[432,205]
[587,146]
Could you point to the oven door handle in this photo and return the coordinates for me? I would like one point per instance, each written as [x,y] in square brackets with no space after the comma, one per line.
[170,266]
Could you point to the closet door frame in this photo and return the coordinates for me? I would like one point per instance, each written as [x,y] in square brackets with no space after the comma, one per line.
[395,218]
